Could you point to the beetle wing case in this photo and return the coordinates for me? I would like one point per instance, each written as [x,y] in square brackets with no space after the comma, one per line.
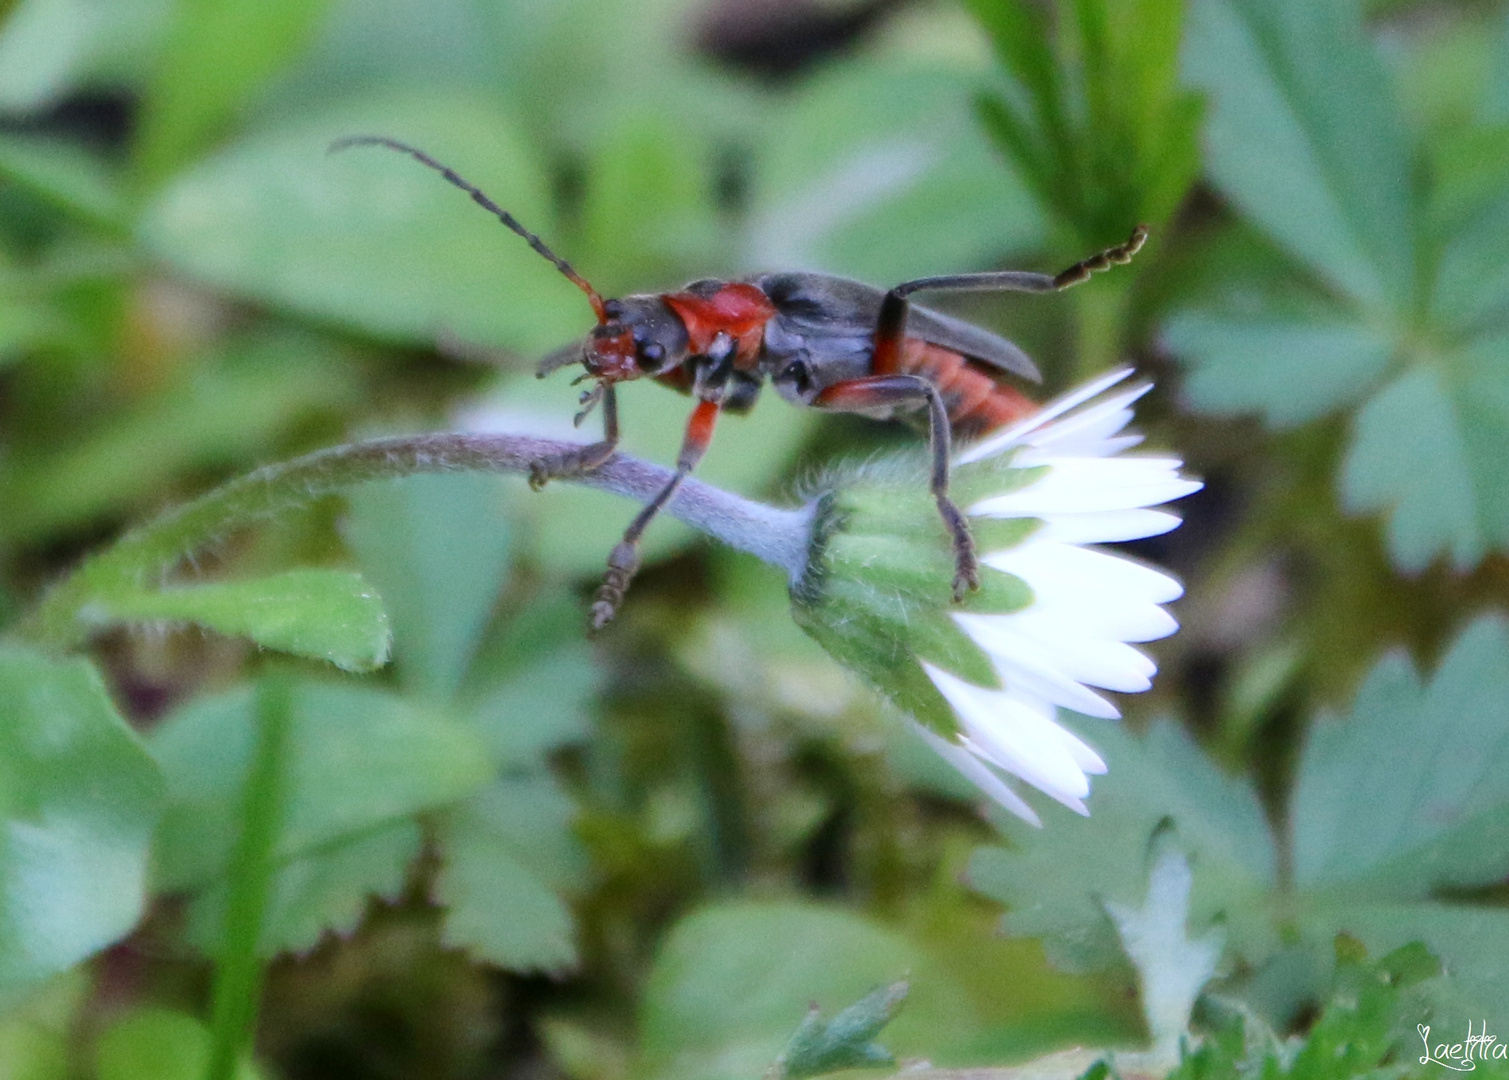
[835,309]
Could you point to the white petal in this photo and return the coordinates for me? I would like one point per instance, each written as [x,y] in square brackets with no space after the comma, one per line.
[1086,485]
[1082,573]
[1105,622]
[1018,433]
[1089,432]
[1106,526]
[979,774]
[1059,657]
[1026,664]
[1014,736]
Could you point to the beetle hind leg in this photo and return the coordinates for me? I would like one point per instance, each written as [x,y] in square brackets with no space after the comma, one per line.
[966,558]
[859,395]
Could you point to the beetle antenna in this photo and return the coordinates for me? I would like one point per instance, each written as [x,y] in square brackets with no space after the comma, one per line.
[483,201]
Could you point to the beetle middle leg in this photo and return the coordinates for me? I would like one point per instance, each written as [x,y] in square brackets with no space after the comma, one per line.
[586,458]
[878,391]
[623,561]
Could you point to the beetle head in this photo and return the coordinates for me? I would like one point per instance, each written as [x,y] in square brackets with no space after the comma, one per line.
[637,335]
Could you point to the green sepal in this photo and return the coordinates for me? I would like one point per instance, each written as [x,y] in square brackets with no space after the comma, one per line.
[1001,534]
[991,477]
[892,671]
[877,593]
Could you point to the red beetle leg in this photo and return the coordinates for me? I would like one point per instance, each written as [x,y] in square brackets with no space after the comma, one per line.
[624,559]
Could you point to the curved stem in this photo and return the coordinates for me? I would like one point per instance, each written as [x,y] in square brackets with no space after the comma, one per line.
[776,535]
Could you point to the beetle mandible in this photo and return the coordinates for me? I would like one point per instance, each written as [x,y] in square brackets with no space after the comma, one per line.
[823,341]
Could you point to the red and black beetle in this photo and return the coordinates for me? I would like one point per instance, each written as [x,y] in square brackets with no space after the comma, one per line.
[821,340]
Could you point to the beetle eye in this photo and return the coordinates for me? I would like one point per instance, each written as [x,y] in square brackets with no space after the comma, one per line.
[613,308]
[652,354]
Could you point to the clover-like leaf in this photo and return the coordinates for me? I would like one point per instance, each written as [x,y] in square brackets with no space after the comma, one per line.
[1044,878]
[370,239]
[1410,791]
[499,903]
[360,764]
[1427,450]
[79,797]
[1290,371]
[1306,137]
[437,547]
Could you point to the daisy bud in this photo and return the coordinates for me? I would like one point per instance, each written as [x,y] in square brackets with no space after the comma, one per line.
[1051,623]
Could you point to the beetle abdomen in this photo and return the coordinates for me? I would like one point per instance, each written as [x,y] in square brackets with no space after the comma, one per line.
[977,404]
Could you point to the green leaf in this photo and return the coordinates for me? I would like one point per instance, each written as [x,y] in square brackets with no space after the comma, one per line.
[1471,941]
[1406,797]
[497,904]
[1097,121]
[1472,283]
[359,759]
[1428,451]
[326,891]
[732,979]
[370,239]
[437,548]
[329,615]
[157,1044]
[1290,371]
[50,48]
[645,215]
[1410,791]
[237,986]
[876,171]
[535,818]
[1306,138]
[1367,1026]
[1053,880]
[228,405]
[535,687]
[217,55]
[846,1041]
[67,175]
[29,1053]
[79,798]
[35,1039]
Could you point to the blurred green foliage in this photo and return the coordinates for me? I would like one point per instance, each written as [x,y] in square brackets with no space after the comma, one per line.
[646,855]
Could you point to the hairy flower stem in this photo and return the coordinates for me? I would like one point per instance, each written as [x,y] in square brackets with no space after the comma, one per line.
[776,535]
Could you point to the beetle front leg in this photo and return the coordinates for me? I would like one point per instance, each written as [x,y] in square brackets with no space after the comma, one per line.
[623,561]
[586,458]
[878,391]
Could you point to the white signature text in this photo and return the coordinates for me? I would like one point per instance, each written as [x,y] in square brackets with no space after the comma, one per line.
[1463,1056]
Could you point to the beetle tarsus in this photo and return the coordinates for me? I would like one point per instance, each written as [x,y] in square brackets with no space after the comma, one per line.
[622,564]
[569,464]
[966,561]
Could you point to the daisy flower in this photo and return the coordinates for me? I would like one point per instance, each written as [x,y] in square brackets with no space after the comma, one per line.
[1053,622]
